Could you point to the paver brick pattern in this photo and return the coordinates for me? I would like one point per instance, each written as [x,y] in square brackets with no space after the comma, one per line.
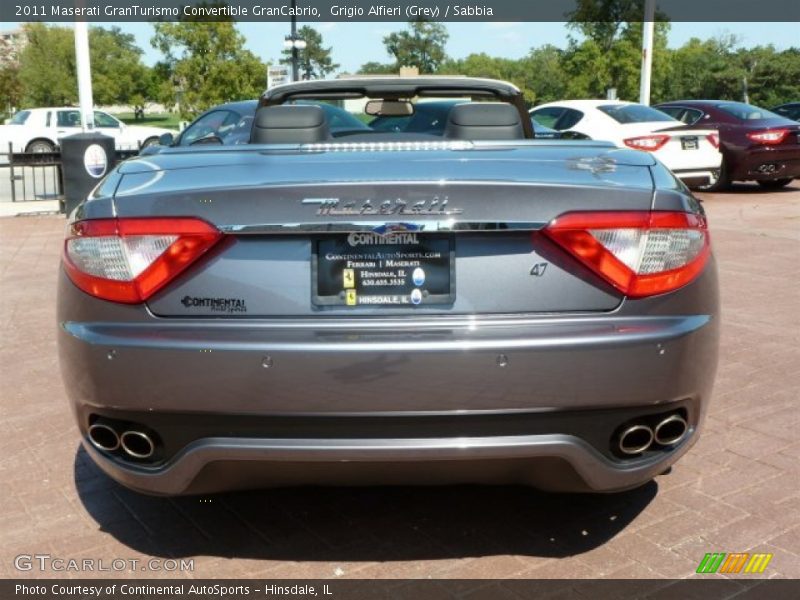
[738,490]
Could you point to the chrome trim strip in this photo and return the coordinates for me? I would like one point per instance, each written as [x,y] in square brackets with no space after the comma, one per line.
[361,226]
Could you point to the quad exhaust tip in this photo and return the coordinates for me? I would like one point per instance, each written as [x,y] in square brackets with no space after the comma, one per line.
[103,437]
[635,439]
[671,430]
[137,444]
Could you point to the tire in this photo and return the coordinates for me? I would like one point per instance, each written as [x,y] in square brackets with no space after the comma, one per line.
[775,184]
[40,146]
[723,182]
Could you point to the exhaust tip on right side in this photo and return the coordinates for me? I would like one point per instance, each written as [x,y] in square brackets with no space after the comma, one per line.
[671,430]
[635,439]
[137,444]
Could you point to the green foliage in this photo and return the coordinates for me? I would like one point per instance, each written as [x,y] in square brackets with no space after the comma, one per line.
[314,60]
[422,45]
[377,68]
[47,71]
[10,84]
[205,63]
[47,66]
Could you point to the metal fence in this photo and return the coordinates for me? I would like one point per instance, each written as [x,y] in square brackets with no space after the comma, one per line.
[37,175]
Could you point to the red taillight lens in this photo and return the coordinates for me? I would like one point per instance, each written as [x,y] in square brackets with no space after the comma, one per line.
[649,143]
[639,253]
[768,138]
[714,139]
[128,260]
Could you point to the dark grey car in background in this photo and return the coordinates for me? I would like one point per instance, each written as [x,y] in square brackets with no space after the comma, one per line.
[389,307]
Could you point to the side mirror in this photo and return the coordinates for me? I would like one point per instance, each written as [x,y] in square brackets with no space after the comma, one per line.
[166,139]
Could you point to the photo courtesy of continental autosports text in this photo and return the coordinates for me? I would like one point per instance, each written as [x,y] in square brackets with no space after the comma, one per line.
[305,299]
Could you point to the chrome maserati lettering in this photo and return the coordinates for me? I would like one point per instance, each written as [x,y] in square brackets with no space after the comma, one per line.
[357,239]
[336,207]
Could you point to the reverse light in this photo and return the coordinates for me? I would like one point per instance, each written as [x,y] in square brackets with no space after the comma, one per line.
[770,137]
[639,253]
[128,260]
[648,143]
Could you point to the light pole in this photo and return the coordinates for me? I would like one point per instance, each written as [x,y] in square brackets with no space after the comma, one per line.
[647,51]
[84,75]
[295,43]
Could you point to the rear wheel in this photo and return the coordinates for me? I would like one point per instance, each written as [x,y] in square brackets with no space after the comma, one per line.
[722,182]
[40,146]
[775,184]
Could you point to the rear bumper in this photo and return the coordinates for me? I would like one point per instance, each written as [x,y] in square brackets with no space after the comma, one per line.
[127,364]
[550,462]
[769,163]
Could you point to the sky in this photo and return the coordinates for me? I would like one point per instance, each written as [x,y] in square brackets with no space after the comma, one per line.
[510,40]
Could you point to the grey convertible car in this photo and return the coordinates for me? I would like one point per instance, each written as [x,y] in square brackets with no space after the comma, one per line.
[389,307]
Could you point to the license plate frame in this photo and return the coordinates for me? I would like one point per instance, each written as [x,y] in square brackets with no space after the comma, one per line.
[690,143]
[330,256]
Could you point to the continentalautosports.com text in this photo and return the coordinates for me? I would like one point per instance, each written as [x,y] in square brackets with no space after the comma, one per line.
[47,562]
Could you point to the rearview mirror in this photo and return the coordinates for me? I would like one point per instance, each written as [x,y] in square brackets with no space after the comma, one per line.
[166,139]
[389,108]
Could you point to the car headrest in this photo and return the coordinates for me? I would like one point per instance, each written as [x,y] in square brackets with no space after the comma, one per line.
[484,121]
[289,124]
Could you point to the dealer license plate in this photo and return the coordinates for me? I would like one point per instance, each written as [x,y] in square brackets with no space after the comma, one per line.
[396,269]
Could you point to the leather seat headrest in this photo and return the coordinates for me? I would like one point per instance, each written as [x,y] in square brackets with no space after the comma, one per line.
[289,124]
[484,121]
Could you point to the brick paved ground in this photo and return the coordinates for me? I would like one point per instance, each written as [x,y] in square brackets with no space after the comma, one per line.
[738,489]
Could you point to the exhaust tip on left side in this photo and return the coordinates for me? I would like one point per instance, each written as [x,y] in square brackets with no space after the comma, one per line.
[103,437]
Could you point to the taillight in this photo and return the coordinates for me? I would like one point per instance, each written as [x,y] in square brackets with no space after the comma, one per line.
[649,143]
[639,253]
[768,138]
[128,260]
[714,139]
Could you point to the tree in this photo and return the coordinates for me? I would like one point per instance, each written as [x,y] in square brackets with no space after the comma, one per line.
[377,68]
[315,60]
[48,74]
[207,64]
[609,56]
[10,84]
[47,66]
[421,46]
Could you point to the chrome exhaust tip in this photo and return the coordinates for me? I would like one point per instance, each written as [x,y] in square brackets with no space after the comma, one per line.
[635,439]
[103,437]
[137,444]
[671,430]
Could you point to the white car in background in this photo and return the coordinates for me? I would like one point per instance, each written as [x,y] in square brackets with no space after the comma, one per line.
[39,129]
[692,155]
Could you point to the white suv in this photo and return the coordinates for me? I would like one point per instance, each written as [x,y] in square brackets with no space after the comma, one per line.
[39,129]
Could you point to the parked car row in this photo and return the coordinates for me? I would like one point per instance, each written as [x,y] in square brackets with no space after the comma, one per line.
[706,143]
[719,141]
